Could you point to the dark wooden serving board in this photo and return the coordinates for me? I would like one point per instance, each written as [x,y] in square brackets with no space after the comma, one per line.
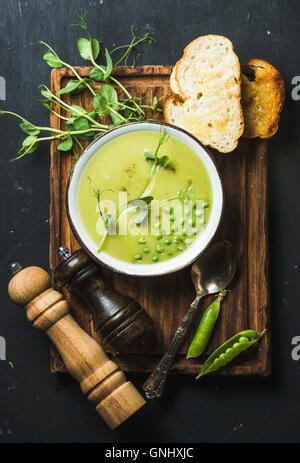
[166,299]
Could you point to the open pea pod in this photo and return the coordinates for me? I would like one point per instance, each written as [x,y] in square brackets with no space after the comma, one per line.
[229,350]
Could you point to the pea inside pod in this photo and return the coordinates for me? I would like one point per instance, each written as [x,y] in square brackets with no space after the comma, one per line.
[229,350]
[205,327]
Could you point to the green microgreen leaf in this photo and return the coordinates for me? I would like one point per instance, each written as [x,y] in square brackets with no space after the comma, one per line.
[146,199]
[70,121]
[65,145]
[100,104]
[110,94]
[154,103]
[88,135]
[45,92]
[29,128]
[163,161]
[73,87]
[29,141]
[52,60]
[109,64]
[149,156]
[94,115]
[75,109]
[85,50]
[81,123]
[97,75]
[116,118]
[107,103]
[23,151]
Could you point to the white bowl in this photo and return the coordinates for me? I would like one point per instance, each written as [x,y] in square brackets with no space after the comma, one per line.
[155,269]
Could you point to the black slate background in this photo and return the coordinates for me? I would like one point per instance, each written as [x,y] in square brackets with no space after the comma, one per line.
[37,406]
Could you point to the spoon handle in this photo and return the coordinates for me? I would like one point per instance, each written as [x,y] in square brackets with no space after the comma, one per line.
[154,385]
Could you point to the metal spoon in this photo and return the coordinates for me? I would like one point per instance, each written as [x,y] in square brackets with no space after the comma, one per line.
[211,273]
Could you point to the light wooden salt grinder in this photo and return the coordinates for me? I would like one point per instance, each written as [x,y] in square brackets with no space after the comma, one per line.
[100,379]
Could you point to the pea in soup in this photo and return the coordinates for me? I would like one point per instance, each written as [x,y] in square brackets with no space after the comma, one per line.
[144,197]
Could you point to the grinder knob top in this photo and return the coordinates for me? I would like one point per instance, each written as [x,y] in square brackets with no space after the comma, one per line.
[27,283]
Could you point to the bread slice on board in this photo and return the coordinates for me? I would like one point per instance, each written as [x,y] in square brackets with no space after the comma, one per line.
[263,95]
[207,90]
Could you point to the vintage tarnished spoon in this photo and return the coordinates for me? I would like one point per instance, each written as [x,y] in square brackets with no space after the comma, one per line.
[211,273]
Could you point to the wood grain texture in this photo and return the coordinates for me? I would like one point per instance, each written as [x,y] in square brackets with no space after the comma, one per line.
[166,299]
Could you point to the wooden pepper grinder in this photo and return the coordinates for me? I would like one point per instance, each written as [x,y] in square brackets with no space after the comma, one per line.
[118,320]
[100,379]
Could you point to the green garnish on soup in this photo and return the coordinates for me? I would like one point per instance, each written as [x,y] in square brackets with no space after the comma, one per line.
[144,197]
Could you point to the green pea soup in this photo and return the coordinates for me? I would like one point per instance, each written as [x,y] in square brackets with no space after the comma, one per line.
[119,173]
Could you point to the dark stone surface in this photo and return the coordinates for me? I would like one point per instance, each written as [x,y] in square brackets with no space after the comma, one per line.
[37,406]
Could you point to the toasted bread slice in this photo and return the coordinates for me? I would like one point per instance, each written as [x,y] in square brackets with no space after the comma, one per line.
[207,87]
[173,82]
[263,95]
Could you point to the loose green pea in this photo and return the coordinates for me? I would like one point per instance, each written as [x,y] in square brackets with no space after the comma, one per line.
[170,253]
[174,228]
[142,241]
[171,218]
[194,231]
[180,248]
[158,236]
[167,241]
[176,239]
[138,257]
[181,221]
[188,241]
[206,204]
[154,258]
[159,248]
[146,250]
[192,222]
[184,232]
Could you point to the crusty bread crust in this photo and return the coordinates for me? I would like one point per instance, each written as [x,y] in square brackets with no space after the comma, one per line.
[173,82]
[263,95]
[221,132]
[186,51]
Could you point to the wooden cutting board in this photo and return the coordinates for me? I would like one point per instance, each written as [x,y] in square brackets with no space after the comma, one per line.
[166,299]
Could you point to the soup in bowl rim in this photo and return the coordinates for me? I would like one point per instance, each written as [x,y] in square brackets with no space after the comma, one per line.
[173,264]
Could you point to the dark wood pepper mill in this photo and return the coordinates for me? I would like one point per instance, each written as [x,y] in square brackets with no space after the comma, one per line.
[118,320]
